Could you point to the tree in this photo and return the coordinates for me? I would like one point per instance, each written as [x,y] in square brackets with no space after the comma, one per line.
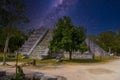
[15,41]
[107,40]
[83,47]
[2,40]
[11,14]
[67,37]
[117,43]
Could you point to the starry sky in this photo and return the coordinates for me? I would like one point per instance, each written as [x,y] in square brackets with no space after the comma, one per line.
[95,15]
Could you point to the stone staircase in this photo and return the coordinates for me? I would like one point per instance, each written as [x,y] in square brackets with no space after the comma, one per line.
[95,49]
[41,50]
[33,40]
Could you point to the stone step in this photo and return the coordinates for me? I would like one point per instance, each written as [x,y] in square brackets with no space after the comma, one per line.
[40,49]
[32,40]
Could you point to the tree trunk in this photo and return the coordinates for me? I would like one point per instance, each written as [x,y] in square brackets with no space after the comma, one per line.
[70,55]
[5,49]
[16,63]
[93,56]
[34,62]
[109,50]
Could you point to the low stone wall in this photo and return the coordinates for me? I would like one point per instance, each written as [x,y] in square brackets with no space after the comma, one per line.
[78,55]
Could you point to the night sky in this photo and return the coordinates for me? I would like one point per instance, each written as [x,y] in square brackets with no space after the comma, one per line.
[95,15]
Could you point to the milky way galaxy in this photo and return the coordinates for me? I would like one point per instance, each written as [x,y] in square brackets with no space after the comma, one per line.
[95,15]
[58,10]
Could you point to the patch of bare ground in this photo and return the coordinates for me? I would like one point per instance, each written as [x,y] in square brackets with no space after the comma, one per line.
[100,71]
[107,71]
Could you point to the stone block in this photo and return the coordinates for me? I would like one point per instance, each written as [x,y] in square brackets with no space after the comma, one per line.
[2,73]
[38,75]
[49,77]
[61,78]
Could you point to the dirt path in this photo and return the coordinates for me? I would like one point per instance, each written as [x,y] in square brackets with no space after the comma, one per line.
[107,71]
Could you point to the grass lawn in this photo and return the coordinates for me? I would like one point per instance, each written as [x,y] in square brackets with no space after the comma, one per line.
[65,61]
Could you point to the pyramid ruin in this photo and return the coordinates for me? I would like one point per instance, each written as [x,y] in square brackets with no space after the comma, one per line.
[36,46]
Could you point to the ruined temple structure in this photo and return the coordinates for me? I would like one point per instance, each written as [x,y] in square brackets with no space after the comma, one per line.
[95,49]
[36,46]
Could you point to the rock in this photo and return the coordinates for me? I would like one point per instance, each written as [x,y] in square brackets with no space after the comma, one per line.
[61,78]
[34,76]
[2,73]
[4,78]
[28,76]
[25,57]
[49,77]
[38,75]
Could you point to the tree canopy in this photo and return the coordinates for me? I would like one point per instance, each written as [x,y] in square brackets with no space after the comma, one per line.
[15,41]
[11,17]
[67,37]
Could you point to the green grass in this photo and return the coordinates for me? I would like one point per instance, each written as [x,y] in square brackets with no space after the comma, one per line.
[82,61]
[65,61]
[97,59]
